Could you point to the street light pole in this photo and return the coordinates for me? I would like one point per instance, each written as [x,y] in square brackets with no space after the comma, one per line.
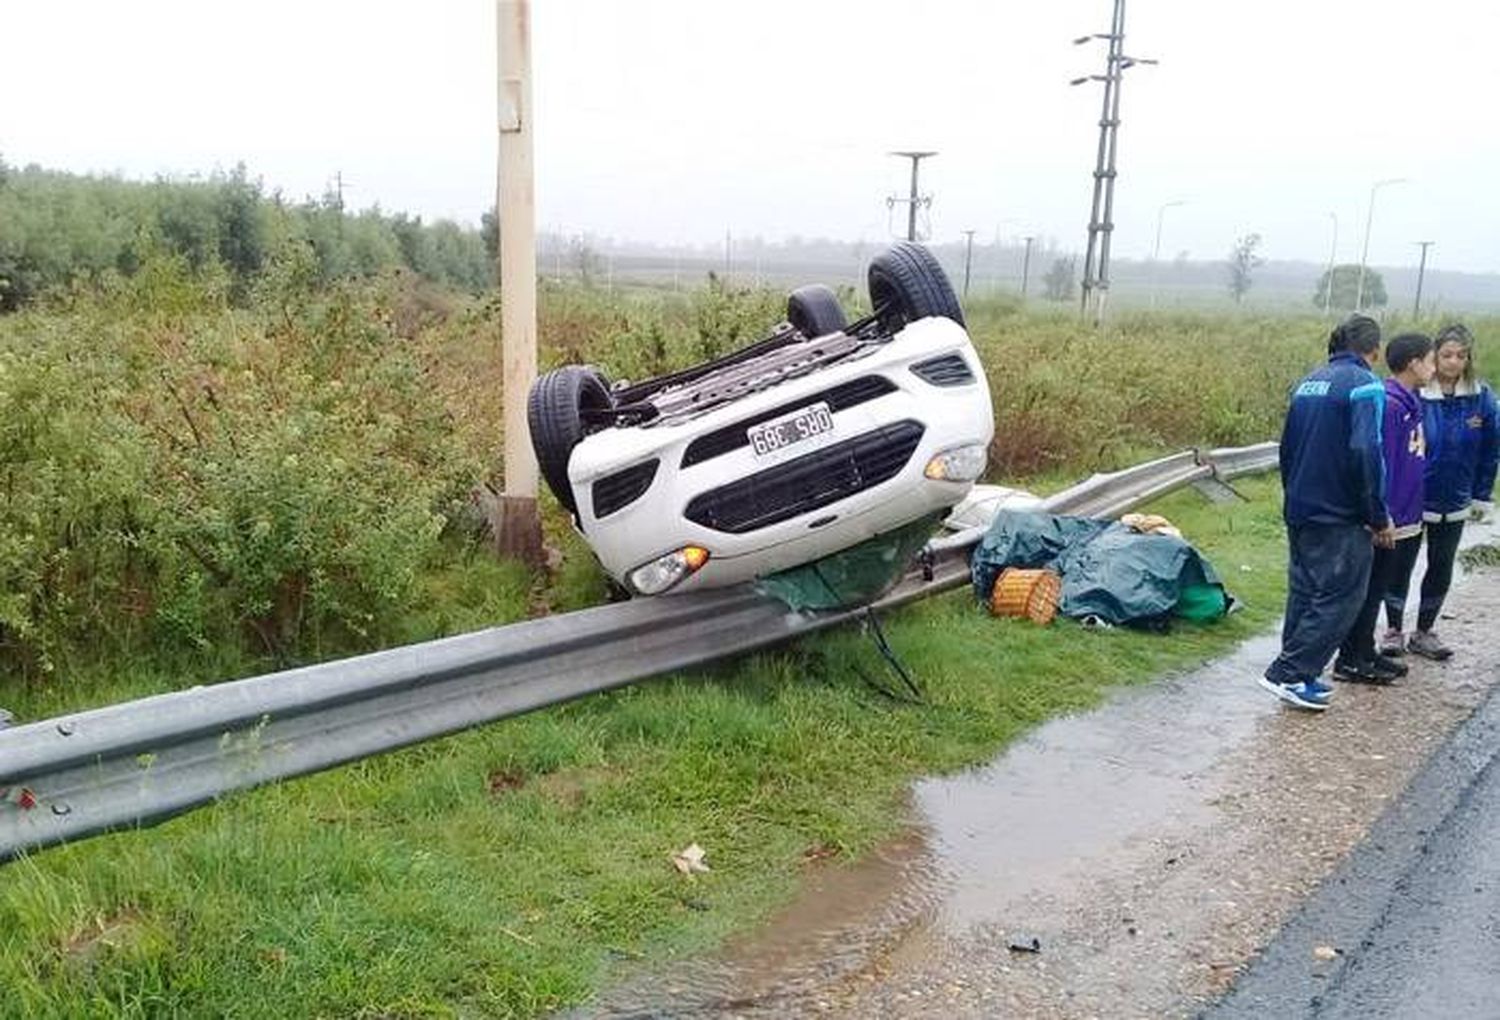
[1333,250]
[1156,248]
[1416,306]
[1364,255]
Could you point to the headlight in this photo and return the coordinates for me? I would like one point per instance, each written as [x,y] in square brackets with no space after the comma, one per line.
[667,571]
[963,464]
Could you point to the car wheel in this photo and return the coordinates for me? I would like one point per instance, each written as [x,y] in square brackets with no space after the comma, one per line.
[907,284]
[814,310]
[555,412]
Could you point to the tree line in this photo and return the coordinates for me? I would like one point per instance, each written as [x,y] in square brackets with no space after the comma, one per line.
[60,229]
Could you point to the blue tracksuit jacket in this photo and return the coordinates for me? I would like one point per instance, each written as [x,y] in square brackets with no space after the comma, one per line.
[1332,465]
[1461,447]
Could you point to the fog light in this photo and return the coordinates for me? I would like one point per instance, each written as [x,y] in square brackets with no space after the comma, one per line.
[963,464]
[667,571]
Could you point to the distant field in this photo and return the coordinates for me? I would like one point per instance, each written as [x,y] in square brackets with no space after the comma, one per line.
[1279,288]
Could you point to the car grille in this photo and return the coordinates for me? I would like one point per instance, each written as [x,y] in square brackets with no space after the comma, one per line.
[732,437]
[619,490]
[948,370]
[809,482]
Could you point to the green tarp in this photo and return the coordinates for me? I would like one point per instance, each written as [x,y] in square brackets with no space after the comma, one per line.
[854,577]
[1109,572]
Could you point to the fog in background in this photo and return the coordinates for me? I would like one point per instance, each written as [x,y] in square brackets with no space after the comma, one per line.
[675,122]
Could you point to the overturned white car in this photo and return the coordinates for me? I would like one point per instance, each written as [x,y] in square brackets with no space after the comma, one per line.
[822,435]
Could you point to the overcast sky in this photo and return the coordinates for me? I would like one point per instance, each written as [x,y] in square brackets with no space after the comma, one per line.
[674,120]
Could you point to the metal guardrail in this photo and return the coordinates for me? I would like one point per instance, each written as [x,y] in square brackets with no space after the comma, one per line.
[1232,462]
[142,761]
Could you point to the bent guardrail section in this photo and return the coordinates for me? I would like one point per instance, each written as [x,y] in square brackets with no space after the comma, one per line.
[142,761]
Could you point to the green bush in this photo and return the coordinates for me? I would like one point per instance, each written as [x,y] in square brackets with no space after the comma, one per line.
[179,471]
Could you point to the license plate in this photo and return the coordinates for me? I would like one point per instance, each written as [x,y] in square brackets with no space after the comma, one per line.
[771,437]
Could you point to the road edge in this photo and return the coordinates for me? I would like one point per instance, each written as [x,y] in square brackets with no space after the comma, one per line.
[1286,979]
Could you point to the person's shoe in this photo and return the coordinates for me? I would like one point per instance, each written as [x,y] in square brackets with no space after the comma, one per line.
[1396,665]
[1371,671]
[1393,643]
[1427,644]
[1318,689]
[1302,695]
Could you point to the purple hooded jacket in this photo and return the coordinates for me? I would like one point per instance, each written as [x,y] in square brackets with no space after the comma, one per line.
[1405,458]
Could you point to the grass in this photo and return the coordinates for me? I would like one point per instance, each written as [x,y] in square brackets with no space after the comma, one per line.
[514,869]
[1486,554]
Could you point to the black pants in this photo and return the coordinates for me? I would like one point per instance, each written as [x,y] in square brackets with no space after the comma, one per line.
[1359,643]
[1442,550]
[1328,575]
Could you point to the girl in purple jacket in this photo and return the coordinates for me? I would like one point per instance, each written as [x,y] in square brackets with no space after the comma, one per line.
[1412,360]
[1460,420]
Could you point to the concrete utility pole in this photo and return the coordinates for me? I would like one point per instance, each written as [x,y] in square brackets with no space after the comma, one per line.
[968,258]
[1101,215]
[1416,306]
[1333,250]
[519,530]
[1026,264]
[914,200]
[1364,254]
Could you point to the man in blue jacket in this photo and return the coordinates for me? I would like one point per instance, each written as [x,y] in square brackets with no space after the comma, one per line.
[1333,481]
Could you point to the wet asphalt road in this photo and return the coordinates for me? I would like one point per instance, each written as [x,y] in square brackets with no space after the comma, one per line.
[1409,926]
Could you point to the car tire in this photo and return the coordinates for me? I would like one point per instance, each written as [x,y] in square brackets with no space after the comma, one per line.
[815,311]
[907,284]
[555,411]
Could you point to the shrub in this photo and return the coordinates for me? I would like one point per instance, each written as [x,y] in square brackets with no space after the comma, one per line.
[181,471]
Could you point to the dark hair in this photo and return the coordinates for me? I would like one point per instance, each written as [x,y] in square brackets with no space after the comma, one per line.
[1357,333]
[1405,349]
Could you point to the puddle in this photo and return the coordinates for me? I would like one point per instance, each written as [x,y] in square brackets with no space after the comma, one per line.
[845,916]
[1066,801]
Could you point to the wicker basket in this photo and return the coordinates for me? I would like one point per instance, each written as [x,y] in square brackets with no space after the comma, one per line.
[1033,594]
